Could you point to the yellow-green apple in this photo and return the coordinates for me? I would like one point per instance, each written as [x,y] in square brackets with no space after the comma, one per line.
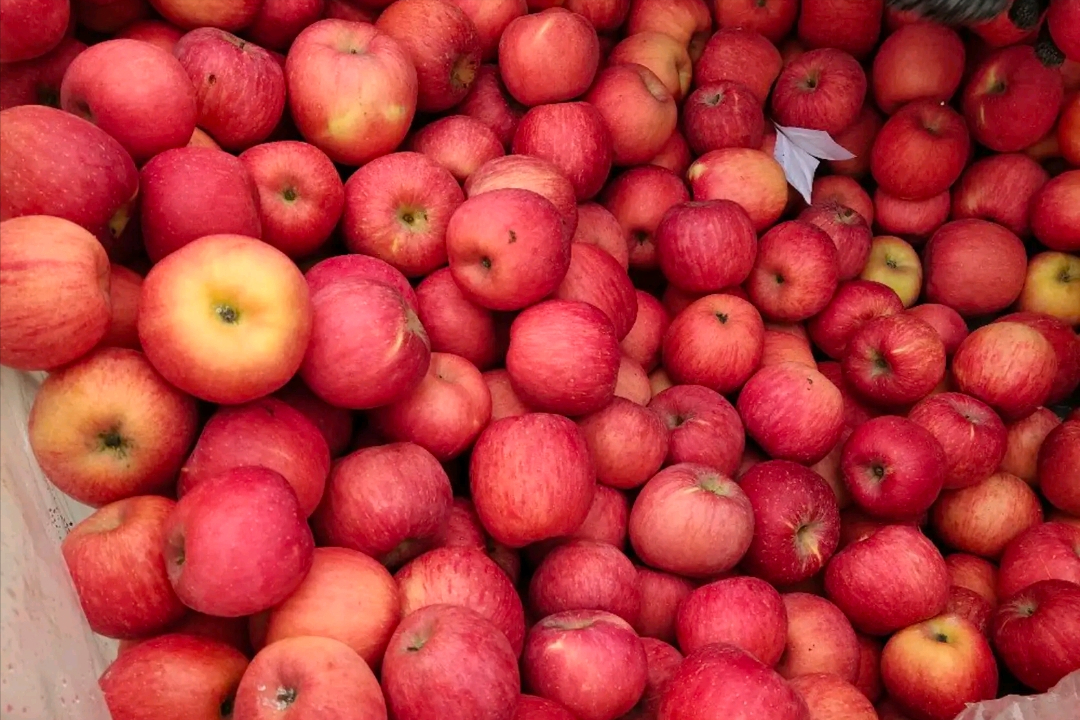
[1054,215]
[595,277]
[56,306]
[664,55]
[1050,551]
[933,669]
[819,639]
[638,199]
[820,90]
[37,81]
[920,130]
[971,606]
[346,596]
[458,143]
[308,678]
[742,611]
[225,14]
[93,184]
[463,529]
[857,138]
[637,108]
[974,288]
[922,60]
[573,138]
[504,400]
[1037,633]
[1067,135]
[526,490]
[597,226]
[278,22]
[388,501]
[532,707]
[888,580]
[1059,467]
[1015,389]
[710,506]
[848,230]
[455,324]
[688,21]
[795,273]
[722,682]
[335,424]
[463,576]
[830,697]
[796,522]
[723,114]
[850,25]
[620,462]
[971,433]
[549,57]
[855,303]
[563,357]
[974,573]
[141,97]
[268,433]
[173,677]
[352,90]
[490,20]
[585,575]
[716,342]
[895,263]
[739,54]
[162,34]
[191,192]
[1066,347]
[661,595]
[110,427]
[300,195]
[1052,286]
[527,172]
[704,428]
[489,102]
[591,662]
[894,360]
[948,323]
[675,155]
[845,191]
[914,219]
[982,519]
[793,412]
[125,289]
[115,561]
[746,176]
[1011,99]
[1000,188]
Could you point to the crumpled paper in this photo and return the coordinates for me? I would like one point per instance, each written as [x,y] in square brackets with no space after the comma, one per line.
[1062,702]
[799,151]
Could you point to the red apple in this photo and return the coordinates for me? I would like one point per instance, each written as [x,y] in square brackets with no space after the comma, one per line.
[820,90]
[675,155]
[748,177]
[845,191]
[278,22]
[605,15]
[782,345]
[974,288]
[921,150]
[125,289]
[661,596]
[848,230]
[463,529]
[705,429]
[1025,437]
[715,342]
[1059,467]
[772,18]
[913,219]
[922,60]
[531,707]
[972,435]
[597,226]
[745,612]
[971,606]
[548,57]
[1066,348]
[849,25]
[1054,215]
[706,246]
[688,21]
[627,443]
[856,411]
[691,520]
[975,574]
[984,518]
[365,12]
[228,15]
[527,173]
[795,273]
[999,188]
[1037,633]
[571,136]
[831,698]
[739,53]
[156,32]
[37,81]
[638,198]
[585,575]
[820,639]
[1062,24]
[1068,121]
[855,303]
[1050,551]
[458,143]
[1007,365]
[455,324]
[950,327]
[595,277]
[637,108]
[666,56]
[894,360]
[490,20]
[721,115]
[489,103]
[607,520]
[30,29]
[857,138]
[504,401]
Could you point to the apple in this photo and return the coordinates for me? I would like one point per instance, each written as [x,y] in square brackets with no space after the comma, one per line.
[463,529]
[589,661]
[795,272]
[397,208]
[156,32]
[972,435]
[820,639]
[627,443]
[796,522]
[527,173]
[934,669]
[888,580]
[706,246]
[894,360]
[524,491]
[691,520]
[93,184]
[782,345]
[1059,467]
[504,401]
[421,673]
[278,22]
[231,631]
[595,277]
[1008,81]
[300,195]
[1061,22]
[1068,121]
[722,682]
[746,176]
[848,230]
[1044,552]
[856,411]
[1031,369]
[704,428]
[531,707]
[365,12]
[1037,633]
[793,412]
[661,596]
[571,136]
[971,606]
[857,138]
[895,263]
[173,677]
[1053,215]
[984,518]
[715,342]
[37,81]
[585,575]
[638,199]
[849,25]
[490,20]
[921,60]
[609,515]
[489,102]
[820,90]
[979,288]
[455,324]
[638,110]
[352,90]
[675,155]
[458,143]
[633,383]
[900,157]
[32,28]
[855,303]
[228,15]
[745,612]
[948,323]
[974,573]
[688,21]
[109,427]
[666,56]
[662,660]
[832,698]
[597,226]
[845,191]
[125,289]
[1000,188]
[914,219]
[548,57]
[1049,286]
[740,54]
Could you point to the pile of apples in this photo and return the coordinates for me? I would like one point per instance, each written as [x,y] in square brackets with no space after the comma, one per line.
[475,360]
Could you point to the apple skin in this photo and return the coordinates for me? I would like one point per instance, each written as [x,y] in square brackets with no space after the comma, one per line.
[37,81]
[531,707]
[352,90]
[716,342]
[595,277]
[110,427]
[888,580]
[971,606]
[159,33]
[531,478]
[1000,188]
[228,15]
[627,443]
[278,22]
[749,177]
[848,230]
[388,501]
[704,427]
[1037,633]
[688,21]
[664,55]
[538,72]
[191,192]
[504,400]
[722,682]
[599,670]
[455,324]
[718,508]
[773,19]
[972,435]
[1043,552]
[1059,467]
[984,518]
[845,191]
[31,28]
[597,226]
[796,522]
[913,219]
[855,303]
[1024,386]
[637,109]
[397,208]
[820,90]
[301,196]
[832,698]
[948,323]
[1053,215]
[173,677]
[638,199]
[661,596]
[974,288]
[1011,99]
[793,412]
[125,289]
[742,55]
[421,675]
[935,668]
[1049,287]
[894,360]
[900,159]
[463,529]
[489,102]
[706,246]
[459,143]
[795,273]
[780,345]
[527,173]
[1062,24]
[820,639]
[490,20]
[93,183]
[857,138]
[573,137]
[1068,121]
[975,574]
[675,155]
[723,114]
[43,258]
[849,25]
[745,612]
[585,575]
[922,60]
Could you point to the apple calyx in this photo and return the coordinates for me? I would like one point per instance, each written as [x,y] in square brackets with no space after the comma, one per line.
[284,698]
[227,313]
[226,708]
[464,71]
